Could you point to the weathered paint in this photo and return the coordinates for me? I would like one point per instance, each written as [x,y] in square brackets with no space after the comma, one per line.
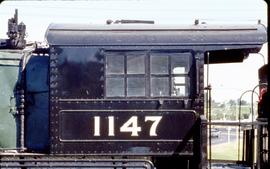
[9,67]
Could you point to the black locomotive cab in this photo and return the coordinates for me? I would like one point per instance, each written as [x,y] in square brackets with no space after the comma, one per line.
[137,90]
[111,98]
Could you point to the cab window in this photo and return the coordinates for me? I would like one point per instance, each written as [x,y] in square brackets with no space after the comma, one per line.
[147,74]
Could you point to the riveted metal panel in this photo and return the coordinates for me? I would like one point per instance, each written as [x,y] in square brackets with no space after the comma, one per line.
[74,133]
[127,126]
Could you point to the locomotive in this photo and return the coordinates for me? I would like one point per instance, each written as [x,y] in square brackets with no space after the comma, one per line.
[115,95]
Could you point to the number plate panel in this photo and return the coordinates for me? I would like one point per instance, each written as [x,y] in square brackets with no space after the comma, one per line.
[92,126]
[73,132]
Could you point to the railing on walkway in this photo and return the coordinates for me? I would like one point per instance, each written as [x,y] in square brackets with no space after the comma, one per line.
[250,138]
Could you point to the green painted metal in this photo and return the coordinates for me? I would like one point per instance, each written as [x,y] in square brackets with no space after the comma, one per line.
[9,68]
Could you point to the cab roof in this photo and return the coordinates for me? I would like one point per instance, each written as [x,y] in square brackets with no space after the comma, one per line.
[145,34]
[223,43]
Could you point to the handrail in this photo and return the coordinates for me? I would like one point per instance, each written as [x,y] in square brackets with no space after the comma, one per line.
[237,123]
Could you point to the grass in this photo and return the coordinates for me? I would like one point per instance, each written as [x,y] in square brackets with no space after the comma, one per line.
[226,151]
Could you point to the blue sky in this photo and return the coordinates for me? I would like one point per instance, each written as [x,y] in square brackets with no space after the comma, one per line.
[37,15]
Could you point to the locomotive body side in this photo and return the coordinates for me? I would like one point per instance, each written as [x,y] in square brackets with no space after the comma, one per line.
[124,91]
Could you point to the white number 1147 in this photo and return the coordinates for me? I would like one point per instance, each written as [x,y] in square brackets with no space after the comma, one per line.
[131,125]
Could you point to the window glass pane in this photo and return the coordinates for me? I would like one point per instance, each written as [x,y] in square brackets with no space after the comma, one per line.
[114,64]
[180,63]
[115,87]
[136,64]
[136,86]
[178,80]
[178,70]
[159,64]
[179,86]
[160,86]
[179,90]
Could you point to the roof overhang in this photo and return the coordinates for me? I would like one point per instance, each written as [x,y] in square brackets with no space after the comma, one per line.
[219,41]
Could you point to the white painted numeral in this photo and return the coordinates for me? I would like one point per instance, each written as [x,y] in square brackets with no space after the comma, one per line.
[97,126]
[131,126]
[156,120]
[111,126]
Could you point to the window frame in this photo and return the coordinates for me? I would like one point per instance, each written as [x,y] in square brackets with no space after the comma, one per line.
[171,75]
[127,75]
[148,75]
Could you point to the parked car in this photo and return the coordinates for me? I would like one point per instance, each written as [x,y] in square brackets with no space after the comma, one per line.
[215,132]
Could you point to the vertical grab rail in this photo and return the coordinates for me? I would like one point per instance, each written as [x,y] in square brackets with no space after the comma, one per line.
[239,119]
[208,88]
